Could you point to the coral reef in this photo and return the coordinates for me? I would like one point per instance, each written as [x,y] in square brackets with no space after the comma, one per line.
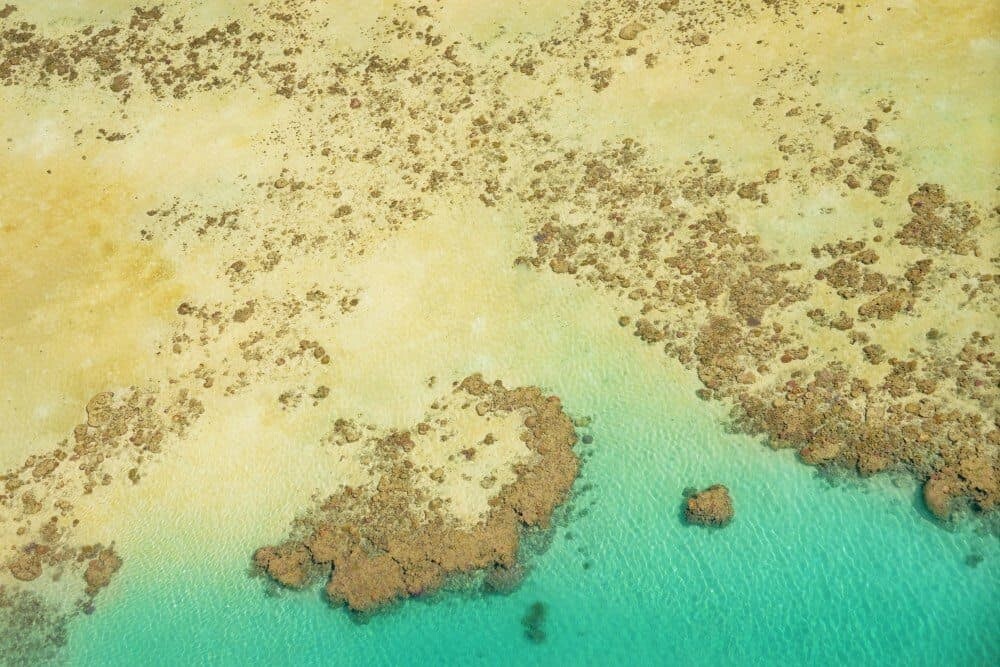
[122,432]
[100,569]
[710,507]
[31,630]
[395,540]
[872,350]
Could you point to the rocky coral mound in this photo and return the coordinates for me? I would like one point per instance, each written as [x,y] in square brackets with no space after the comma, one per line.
[711,507]
[100,570]
[393,540]
[974,480]
[288,563]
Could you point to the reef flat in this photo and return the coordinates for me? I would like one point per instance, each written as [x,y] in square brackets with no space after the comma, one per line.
[400,536]
[239,235]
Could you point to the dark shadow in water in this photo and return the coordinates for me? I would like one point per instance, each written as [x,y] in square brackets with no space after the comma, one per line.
[533,622]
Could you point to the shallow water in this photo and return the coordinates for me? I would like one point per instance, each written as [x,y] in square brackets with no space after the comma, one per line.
[807,573]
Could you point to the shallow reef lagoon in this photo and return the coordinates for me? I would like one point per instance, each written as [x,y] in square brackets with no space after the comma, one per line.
[808,572]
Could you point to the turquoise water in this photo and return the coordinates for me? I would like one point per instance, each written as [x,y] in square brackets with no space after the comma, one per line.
[808,573]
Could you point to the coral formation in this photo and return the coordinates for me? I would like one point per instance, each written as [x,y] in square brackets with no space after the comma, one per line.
[394,539]
[709,507]
[31,630]
[100,569]
[122,432]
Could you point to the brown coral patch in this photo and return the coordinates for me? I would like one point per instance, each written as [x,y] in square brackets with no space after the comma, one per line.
[385,543]
[100,570]
[938,223]
[26,567]
[973,479]
[710,507]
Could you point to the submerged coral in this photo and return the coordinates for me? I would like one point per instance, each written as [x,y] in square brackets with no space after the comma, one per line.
[31,630]
[533,622]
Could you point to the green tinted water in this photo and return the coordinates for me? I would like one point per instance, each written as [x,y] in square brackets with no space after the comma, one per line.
[807,573]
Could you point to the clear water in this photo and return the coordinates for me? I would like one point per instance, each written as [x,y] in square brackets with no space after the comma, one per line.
[807,573]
